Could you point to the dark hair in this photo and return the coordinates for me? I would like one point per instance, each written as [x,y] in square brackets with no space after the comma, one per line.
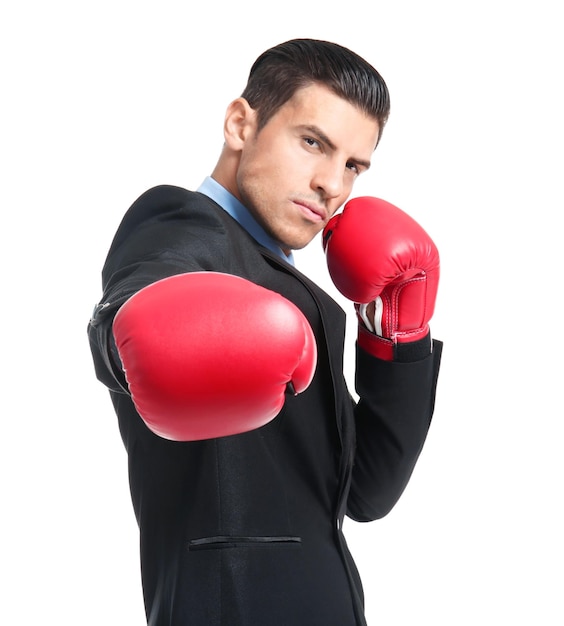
[280,71]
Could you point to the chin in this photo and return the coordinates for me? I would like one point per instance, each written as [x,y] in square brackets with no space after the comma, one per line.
[302,245]
[298,239]
[295,244]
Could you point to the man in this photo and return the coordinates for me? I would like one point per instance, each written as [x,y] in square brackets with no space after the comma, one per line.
[224,362]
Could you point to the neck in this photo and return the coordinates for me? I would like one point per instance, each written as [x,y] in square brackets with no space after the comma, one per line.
[225,173]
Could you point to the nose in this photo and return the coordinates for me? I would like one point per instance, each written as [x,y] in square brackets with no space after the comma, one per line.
[329,179]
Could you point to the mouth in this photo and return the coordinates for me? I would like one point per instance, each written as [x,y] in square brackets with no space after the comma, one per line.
[312,212]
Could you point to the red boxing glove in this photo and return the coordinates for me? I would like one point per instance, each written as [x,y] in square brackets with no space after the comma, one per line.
[378,254]
[208,354]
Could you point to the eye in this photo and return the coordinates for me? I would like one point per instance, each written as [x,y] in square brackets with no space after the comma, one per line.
[353,167]
[312,143]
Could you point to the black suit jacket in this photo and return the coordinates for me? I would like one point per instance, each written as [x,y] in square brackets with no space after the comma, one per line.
[246,530]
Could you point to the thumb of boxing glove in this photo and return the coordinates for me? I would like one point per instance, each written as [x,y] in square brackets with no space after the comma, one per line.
[377,255]
[207,354]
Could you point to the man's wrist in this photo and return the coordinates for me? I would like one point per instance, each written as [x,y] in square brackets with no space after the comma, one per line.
[388,350]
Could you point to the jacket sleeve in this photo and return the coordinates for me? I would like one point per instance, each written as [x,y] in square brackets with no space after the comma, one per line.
[165,232]
[392,418]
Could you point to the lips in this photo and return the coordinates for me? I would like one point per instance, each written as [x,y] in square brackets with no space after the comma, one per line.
[312,212]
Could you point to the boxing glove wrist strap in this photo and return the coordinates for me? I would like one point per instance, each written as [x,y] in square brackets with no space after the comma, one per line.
[388,350]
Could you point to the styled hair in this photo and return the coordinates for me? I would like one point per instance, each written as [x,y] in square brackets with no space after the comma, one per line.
[280,71]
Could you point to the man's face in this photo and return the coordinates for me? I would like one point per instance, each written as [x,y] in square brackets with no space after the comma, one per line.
[300,168]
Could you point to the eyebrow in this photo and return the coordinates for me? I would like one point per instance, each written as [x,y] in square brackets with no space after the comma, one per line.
[315,130]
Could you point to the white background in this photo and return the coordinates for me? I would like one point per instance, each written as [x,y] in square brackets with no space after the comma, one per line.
[102,100]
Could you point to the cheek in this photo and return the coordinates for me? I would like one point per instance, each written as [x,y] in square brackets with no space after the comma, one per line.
[261,171]
[348,187]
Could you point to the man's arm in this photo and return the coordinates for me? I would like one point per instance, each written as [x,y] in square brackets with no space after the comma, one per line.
[383,261]
[393,415]
[201,352]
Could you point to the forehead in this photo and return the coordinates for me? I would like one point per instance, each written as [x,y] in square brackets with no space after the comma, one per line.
[339,119]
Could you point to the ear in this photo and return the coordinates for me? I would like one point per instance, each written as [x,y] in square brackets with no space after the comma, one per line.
[240,123]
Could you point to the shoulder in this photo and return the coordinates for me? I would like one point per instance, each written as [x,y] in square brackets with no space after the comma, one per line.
[174,227]
[164,211]
[166,195]
[167,200]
